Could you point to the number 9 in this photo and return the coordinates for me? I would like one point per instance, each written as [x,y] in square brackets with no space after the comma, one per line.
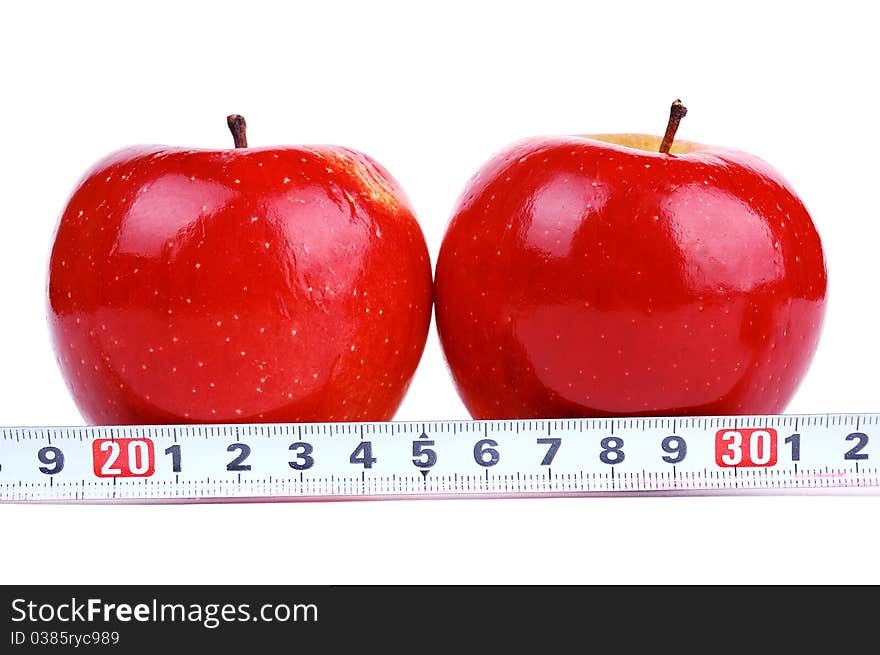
[676,447]
[53,459]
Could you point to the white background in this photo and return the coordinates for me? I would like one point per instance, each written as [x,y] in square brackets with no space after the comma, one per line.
[431,90]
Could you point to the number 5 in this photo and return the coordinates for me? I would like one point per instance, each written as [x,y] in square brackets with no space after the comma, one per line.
[424,457]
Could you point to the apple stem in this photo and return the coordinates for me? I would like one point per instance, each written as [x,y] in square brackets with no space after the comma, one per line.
[238,127]
[676,112]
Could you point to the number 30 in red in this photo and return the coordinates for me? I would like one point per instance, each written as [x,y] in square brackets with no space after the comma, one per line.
[745,447]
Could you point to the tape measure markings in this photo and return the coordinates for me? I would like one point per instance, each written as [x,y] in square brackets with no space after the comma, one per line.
[436,458]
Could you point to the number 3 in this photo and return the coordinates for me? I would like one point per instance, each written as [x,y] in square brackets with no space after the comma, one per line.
[735,446]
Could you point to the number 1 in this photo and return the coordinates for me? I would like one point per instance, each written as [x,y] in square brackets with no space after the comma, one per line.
[795,441]
[174,451]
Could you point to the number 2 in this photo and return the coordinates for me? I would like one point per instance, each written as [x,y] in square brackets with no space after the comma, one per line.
[861,440]
[238,464]
[109,468]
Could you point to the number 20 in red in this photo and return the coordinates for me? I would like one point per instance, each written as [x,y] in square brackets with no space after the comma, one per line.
[123,458]
[746,447]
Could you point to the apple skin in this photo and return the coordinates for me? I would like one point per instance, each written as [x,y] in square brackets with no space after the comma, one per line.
[277,284]
[580,277]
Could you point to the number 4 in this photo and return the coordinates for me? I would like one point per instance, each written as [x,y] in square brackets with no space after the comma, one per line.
[363,455]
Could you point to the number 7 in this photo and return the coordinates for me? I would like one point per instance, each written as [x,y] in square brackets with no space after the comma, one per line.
[554,443]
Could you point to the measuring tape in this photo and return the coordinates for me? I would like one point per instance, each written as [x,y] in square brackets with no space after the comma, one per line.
[564,457]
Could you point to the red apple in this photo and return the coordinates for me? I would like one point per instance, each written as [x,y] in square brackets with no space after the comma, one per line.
[607,275]
[251,284]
